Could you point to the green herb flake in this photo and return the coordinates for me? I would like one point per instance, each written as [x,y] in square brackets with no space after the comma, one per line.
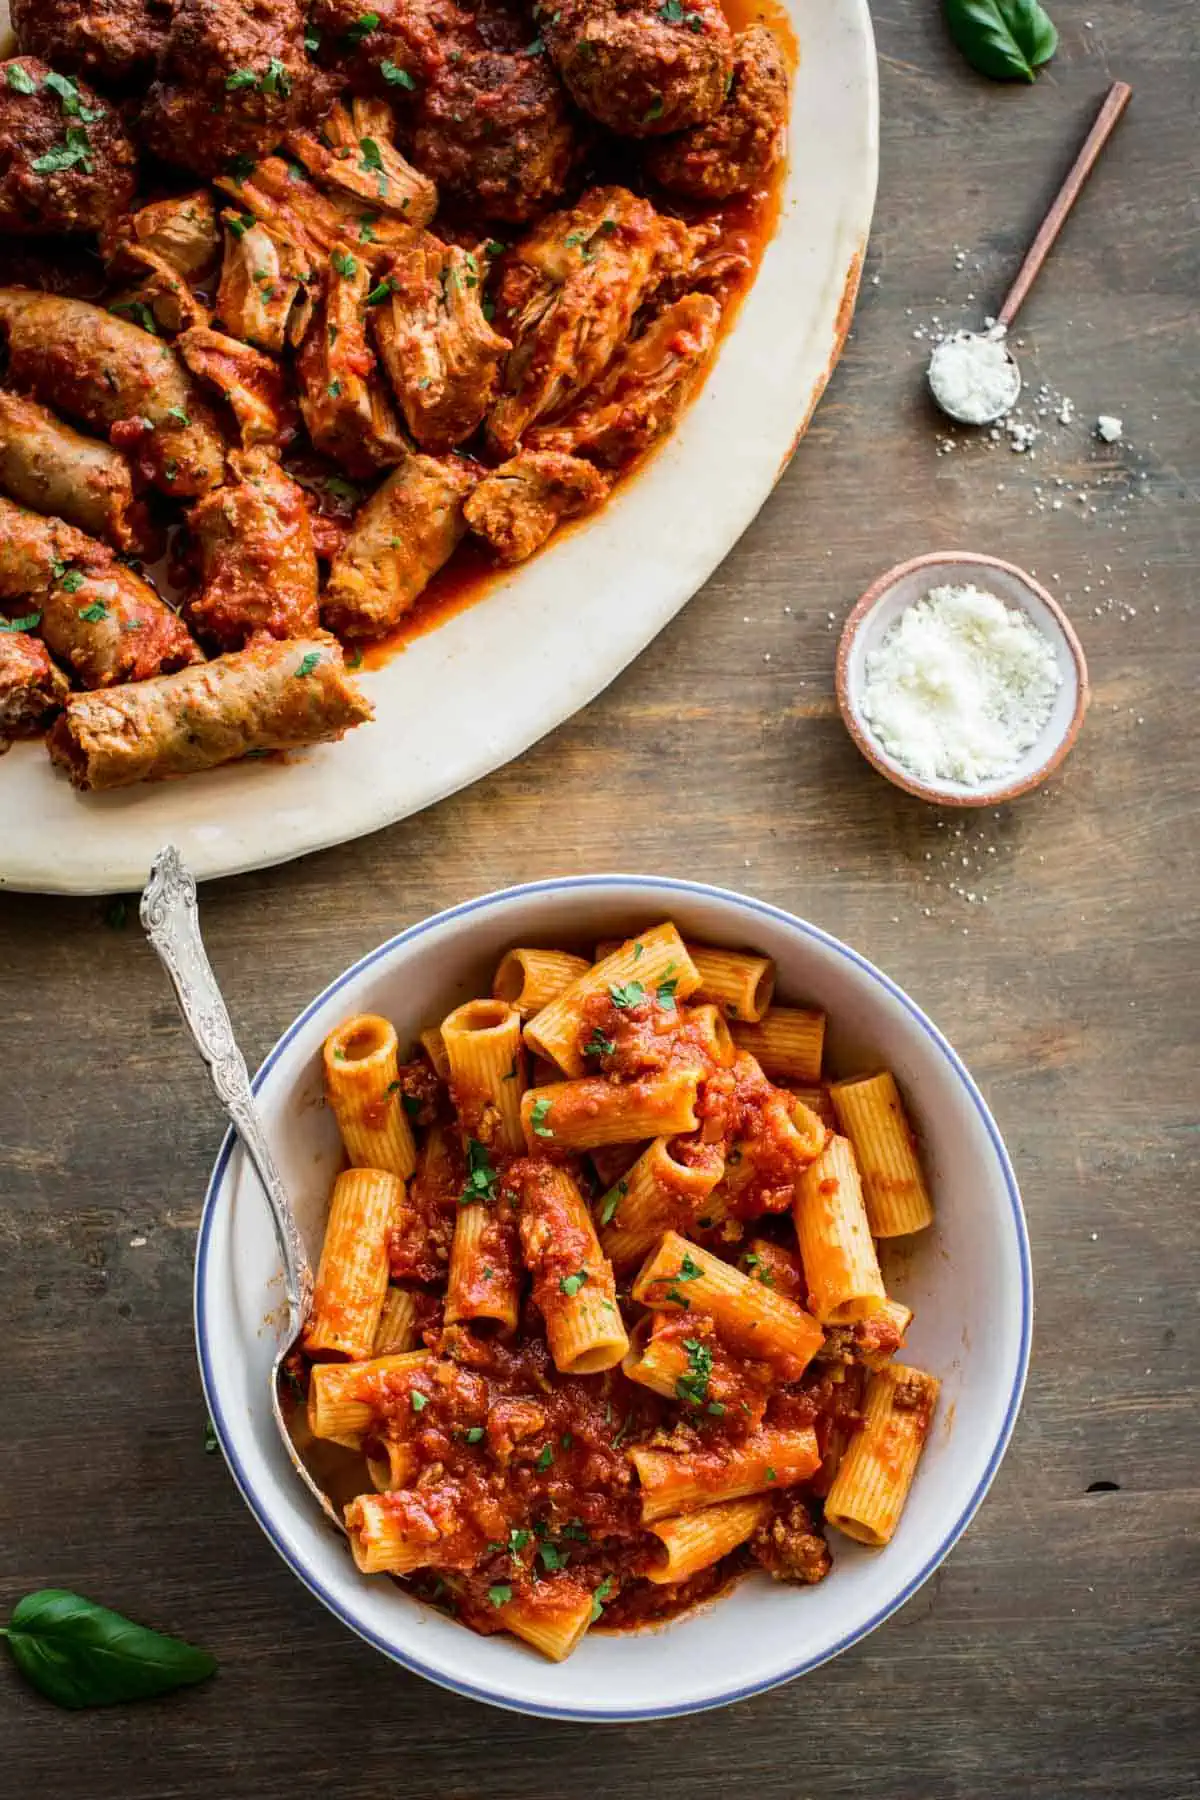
[653,111]
[666,994]
[571,1284]
[277,80]
[93,613]
[28,623]
[395,76]
[626,994]
[500,1595]
[372,158]
[536,48]
[538,1118]
[770,1474]
[312,41]
[177,413]
[344,263]
[553,1558]
[241,167]
[481,1176]
[418,1400]
[1008,40]
[139,313]
[693,1387]
[362,27]
[380,291]
[474,1434]
[545,1459]
[308,662]
[240,78]
[611,1201]
[19,79]
[601,1594]
[716,1409]
[71,581]
[78,1654]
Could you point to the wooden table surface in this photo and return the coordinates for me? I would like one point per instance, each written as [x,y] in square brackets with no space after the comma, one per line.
[1053,1655]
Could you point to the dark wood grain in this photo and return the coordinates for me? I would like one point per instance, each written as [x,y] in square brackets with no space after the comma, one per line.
[1053,1655]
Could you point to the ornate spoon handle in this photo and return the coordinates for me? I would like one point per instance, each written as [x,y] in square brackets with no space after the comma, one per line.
[171,922]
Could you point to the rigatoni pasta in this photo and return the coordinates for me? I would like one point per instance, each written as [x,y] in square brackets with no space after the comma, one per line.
[871,1113]
[532,1445]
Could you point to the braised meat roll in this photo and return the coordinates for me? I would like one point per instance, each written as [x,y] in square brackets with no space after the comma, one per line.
[66,163]
[515,509]
[32,690]
[398,542]
[252,552]
[270,696]
[51,468]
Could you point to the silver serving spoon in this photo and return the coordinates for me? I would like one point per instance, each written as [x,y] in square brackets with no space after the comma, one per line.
[986,352]
[171,922]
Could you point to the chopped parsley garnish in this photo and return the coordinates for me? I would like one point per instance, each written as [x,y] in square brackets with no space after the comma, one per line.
[666,994]
[365,233]
[241,167]
[770,1474]
[68,95]
[276,80]
[536,48]
[355,659]
[611,1202]
[72,581]
[419,1400]
[576,1530]
[494,247]
[240,224]
[25,624]
[19,79]
[240,78]
[139,312]
[481,1176]
[571,1284]
[362,27]
[629,993]
[371,157]
[308,662]
[344,263]
[395,76]
[599,1045]
[653,111]
[312,41]
[693,1387]
[334,390]
[717,1410]
[639,950]
[600,1596]
[177,413]
[553,1558]
[76,148]
[501,1594]
[409,1102]
[755,1267]
[537,1118]
[474,1434]
[517,1540]
[687,1271]
[380,291]
[94,613]
[546,1458]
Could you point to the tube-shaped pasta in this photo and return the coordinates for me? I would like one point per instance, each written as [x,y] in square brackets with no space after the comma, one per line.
[883,1334]
[382,1540]
[769,1163]
[740,983]
[573,1282]
[397,1327]
[642,963]
[871,1113]
[816,1097]
[352,1276]
[435,1050]
[484,1282]
[361,1060]
[694,1541]
[680,1481]
[836,1247]
[531,979]
[345,1399]
[391,1464]
[752,1320]
[556,1621]
[709,1027]
[580,1115]
[482,1041]
[662,1191]
[788,1041]
[876,1471]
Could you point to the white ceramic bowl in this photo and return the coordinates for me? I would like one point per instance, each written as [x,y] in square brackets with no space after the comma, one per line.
[968,1279]
[893,593]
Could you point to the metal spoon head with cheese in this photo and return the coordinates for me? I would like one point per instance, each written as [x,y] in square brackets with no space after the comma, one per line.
[974,378]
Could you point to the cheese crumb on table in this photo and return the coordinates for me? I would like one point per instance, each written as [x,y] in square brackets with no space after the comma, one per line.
[1108,427]
[960,686]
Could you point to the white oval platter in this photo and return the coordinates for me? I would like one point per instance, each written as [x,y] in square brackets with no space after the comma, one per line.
[544,641]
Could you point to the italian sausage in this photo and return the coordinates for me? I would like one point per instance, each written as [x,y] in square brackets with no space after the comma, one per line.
[252,549]
[31,689]
[399,540]
[53,469]
[116,378]
[95,615]
[270,696]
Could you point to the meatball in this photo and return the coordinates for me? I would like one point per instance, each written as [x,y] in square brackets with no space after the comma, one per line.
[65,161]
[734,151]
[389,50]
[491,124]
[111,41]
[641,67]
[788,1543]
[234,79]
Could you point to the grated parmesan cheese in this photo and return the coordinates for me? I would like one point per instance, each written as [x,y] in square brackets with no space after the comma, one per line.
[973,378]
[960,686]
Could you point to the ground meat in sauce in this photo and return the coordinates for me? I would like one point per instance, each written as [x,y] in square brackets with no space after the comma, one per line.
[788,1543]
[66,163]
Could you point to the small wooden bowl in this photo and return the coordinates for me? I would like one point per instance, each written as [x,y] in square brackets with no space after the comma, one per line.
[908,582]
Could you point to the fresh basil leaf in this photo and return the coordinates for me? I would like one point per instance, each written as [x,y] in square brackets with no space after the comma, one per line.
[1006,39]
[79,1654]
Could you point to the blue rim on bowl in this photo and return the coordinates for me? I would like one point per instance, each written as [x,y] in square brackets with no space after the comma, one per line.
[804,1664]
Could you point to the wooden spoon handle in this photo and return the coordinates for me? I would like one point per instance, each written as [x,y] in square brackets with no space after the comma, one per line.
[1106,120]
